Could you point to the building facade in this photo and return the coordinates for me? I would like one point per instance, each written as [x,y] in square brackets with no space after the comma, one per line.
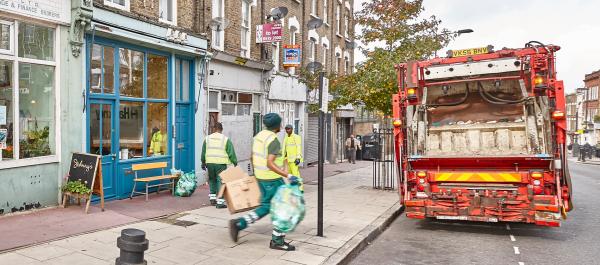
[116,78]
[36,64]
[571,104]
[590,113]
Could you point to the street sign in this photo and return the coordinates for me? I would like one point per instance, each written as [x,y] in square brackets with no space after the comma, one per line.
[271,32]
[292,55]
[325,101]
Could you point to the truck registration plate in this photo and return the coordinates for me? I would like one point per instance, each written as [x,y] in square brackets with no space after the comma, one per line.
[464,218]
[469,52]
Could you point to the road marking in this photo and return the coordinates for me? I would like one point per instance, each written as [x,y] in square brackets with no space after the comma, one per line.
[512,238]
[507,227]
[521,263]
[517,250]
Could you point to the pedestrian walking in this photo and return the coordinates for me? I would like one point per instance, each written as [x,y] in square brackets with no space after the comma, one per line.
[292,151]
[268,165]
[217,154]
[352,144]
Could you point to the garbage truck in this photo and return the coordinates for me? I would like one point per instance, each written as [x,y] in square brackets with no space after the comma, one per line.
[480,136]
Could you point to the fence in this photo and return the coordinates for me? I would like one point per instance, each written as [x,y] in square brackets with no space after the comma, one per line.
[384,165]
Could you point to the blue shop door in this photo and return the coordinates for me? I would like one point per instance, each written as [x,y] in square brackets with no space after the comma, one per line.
[184,115]
[102,141]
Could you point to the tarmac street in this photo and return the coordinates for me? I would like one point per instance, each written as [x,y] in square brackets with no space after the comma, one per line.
[411,241]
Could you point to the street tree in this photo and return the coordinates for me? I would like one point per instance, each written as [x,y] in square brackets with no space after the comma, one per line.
[393,31]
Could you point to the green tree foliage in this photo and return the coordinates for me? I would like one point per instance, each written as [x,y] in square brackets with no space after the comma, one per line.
[394,31]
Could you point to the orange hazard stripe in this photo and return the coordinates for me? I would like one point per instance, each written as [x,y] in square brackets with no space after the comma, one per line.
[477,176]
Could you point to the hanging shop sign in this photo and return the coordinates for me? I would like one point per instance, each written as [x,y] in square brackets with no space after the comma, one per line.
[271,32]
[292,55]
[51,10]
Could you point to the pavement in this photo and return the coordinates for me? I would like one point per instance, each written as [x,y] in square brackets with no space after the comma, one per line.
[411,241]
[353,214]
[593,161]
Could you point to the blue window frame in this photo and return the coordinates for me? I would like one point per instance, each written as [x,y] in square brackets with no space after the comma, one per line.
[137,80]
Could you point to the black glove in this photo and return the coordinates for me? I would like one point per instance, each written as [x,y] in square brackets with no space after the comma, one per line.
[203,166]
[297,161]
[293,180]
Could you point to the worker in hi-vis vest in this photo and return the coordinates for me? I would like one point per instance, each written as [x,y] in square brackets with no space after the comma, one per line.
[217,154]
[292,151]
[269,170]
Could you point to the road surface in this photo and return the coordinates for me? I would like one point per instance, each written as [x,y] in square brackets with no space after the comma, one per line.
[577,241]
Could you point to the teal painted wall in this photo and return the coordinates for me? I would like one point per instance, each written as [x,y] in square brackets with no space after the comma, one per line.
[23,188]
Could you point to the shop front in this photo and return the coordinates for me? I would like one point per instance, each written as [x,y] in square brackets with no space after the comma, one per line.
[33,84]
[140,97]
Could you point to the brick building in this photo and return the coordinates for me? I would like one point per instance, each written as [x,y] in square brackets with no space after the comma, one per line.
[591,106]
[571,107]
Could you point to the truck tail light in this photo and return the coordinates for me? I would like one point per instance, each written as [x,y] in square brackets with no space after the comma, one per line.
[558,115]
[421,180]
[397,123]
[538,188]
[538,81]
[412,93]
[537,175]
[422,174]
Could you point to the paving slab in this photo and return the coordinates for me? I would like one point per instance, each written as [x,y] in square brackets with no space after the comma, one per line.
[352,212]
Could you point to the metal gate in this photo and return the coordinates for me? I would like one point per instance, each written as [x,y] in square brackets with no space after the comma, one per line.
[311,140]
[384,166]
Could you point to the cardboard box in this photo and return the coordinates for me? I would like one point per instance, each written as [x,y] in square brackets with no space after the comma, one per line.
[240,191]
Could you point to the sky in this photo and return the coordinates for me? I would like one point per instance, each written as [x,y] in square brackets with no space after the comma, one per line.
[573,25]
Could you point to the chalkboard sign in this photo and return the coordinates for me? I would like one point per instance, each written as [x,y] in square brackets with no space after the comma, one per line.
[88,169]
[84,168]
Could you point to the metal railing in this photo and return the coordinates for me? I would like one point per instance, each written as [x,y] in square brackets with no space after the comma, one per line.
[384,166]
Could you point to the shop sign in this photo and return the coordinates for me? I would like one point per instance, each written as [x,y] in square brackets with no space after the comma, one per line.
[52,10]
[292,55]
[271,32]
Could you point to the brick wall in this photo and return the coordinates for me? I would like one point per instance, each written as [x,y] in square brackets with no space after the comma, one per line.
[148,11]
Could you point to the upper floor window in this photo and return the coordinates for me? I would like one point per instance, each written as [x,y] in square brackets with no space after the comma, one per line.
[168,11]
[337,20]
[346,25]
[325,12]
[313,7]
[120,4]
[245,29]
[276,56]
[218,11]
[312,49]
[325,55]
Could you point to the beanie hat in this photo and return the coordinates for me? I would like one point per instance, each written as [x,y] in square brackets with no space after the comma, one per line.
[272,121]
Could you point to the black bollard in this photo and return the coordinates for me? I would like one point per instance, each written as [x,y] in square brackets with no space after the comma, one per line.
[132,244]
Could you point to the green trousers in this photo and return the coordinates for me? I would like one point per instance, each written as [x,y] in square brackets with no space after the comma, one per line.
[268,188]
[214,181]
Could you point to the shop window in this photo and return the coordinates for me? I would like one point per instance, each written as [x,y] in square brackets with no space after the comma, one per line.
[120,4]
[6,37]
[213,100]
[233,103]
[36,42]
[157,76]
[27,115]
[6,109]
[36,109]
[131,126]
[168,11]
[131,72]
[256,103]
[102,72]
[157,128]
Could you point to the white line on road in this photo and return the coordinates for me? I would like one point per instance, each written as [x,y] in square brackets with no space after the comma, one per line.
[521,263]
[507,227]
[512,238]
[517,250]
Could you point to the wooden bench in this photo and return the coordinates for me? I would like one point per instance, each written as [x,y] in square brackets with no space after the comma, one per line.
[146,180]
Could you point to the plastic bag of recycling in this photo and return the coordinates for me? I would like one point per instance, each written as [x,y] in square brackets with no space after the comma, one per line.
[186,185]
[287,208]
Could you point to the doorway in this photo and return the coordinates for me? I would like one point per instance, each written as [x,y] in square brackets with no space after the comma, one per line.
[101,141]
